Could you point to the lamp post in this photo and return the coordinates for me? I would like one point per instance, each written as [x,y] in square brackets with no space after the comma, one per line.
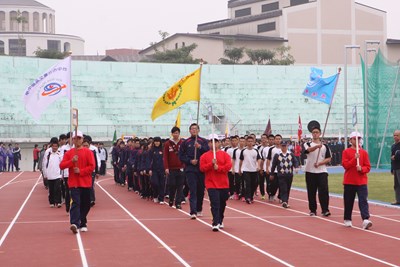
[345,88]
[367,42]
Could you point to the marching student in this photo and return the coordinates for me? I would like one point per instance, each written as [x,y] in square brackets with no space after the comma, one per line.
[103,155]
[239,182]
[122,163]
[284,163]
[52,172]
[189,153]
[264,155]
[234,140]
[216,164]
[174,168]
[355,181]
[273,180]
[157,172]
[318,156]
[144,170]
[80,163]
[261,175]
[249,165]
[95,174]
[65,174]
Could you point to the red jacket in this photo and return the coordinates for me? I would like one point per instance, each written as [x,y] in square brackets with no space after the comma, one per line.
[85,164]
[349,163]
[171,157]
[216,178]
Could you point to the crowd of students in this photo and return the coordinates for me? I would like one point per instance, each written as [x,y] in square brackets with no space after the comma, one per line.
[176,170]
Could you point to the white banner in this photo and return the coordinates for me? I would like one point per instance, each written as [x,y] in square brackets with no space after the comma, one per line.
[50,86]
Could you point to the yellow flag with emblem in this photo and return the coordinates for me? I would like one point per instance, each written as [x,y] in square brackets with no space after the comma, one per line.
[184,90]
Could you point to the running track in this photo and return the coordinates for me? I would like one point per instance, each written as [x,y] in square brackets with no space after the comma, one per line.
[125,230]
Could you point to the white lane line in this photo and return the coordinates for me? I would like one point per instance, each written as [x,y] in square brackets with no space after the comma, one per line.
[19,212]
[9,182]
[179,258]
[355,211]
[81,250]
[314,237]
[243,242]
[331,221]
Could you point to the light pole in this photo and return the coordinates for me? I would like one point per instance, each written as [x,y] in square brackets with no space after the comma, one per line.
[345,88]
[367,42]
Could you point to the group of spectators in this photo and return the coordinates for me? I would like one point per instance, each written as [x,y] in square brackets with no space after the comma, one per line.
[9,157]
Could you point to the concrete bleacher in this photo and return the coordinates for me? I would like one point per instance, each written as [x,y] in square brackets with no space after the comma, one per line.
[120,96]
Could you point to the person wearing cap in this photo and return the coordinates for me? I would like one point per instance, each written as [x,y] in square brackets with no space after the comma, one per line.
[189,153]
[284,163]
[216,164]
[80,163]
[355,180]
[395,165]
[318,156]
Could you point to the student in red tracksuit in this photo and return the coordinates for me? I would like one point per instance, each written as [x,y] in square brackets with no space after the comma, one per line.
[80,164]
[216,180]
[355,181]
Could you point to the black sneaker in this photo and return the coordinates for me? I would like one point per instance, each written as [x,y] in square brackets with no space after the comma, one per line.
[313,213]
[326,214]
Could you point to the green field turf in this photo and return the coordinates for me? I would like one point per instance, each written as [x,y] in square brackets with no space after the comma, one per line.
[380,185]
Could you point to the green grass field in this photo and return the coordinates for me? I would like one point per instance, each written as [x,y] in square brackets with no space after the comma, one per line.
[380,185]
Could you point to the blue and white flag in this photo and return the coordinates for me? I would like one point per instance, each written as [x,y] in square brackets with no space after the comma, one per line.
[321,89]
[50,86]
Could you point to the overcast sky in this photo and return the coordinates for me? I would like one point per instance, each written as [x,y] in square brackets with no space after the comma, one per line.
[135,24]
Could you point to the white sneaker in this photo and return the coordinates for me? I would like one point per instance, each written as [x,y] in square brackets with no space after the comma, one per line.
[221,226]
[199,214]
[271,198]
[193,216]
[348,223]
[155,200]
[162,203]
[83,229]
[366,224]
[215,228]
[73,228]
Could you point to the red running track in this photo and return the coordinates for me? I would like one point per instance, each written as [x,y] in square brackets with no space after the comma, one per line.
[125,230]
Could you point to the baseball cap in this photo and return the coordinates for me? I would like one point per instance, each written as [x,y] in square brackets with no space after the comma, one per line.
[284,143]
[77,133]
[355,134]
[213,136]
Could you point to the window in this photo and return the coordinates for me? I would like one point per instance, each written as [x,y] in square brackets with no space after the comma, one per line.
[2,48]
[183,44]
[17,47]
[53,45]
[298,2]
[25,21]
[2,21]
[176,46]
[270,7]
[266,27]
[67,47]
[36,22]
[13,21]
[242,12]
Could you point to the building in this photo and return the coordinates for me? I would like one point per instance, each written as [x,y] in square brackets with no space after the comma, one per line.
[26,25]
[316,30]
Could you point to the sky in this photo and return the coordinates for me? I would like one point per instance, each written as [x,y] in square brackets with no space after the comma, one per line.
[135,24]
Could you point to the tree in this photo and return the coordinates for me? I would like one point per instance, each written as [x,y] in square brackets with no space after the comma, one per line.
[234,55]
[163,36]
[282,56]
[180,55]
[260,56]
[20,20]
[44,53]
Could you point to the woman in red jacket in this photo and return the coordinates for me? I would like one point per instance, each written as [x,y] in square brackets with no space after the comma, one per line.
[216,164]
[355,181]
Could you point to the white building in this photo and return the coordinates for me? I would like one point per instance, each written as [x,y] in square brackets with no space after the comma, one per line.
[26,25]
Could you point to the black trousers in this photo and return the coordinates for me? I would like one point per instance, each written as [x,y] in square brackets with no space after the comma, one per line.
[317,182]
[349,195]
[285,184]
[103,168]
[218,198]
[272,185]
[80,206]
[67,196]
[176,180]
[250,184]
[54,191]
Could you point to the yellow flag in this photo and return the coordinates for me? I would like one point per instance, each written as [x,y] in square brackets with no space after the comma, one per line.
[178,120]
[184,90]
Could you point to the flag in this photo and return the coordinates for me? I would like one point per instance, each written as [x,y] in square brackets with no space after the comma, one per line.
[184,90]
[268,129]
[47,88]
[178,120]
[321,89]
[115,136]
[300,130]
[227,133]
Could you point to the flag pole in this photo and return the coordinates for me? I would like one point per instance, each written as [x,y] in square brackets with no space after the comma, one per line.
[198,108]
[329,112]
[70,102]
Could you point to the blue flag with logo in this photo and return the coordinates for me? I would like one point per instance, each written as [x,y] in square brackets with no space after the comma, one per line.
[321,89]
